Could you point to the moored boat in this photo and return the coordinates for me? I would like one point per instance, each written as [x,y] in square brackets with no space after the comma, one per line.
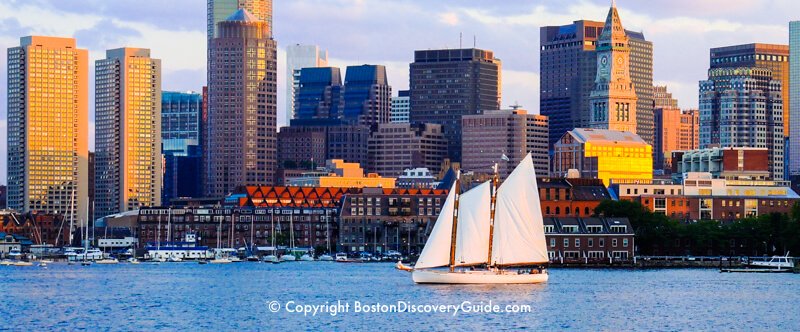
[488,235]
[325,258]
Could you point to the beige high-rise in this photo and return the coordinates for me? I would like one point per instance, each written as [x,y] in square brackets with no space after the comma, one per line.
[127,131]
[48,127]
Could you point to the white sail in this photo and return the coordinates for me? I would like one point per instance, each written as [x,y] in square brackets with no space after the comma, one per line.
[472,234]
[518,224]
[437,250]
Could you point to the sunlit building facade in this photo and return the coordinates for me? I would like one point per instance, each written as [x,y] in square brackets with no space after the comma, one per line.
[794,103]
[48,127]
[128,131]
[603,154]
[219,10]
[242,106]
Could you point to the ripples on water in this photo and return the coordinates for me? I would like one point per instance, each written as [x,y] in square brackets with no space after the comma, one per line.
[190,296]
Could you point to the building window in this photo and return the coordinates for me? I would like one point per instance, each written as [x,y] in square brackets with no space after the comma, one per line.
[577,243]
[614,243]
[591,242]
[552,242]
[625,243]
[566,243]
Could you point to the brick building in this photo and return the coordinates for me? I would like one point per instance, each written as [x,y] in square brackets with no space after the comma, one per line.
[565,197]
[586,240]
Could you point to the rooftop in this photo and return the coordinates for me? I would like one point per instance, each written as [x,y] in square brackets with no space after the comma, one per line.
[584,135]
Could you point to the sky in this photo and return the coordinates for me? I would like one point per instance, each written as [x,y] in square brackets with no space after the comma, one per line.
[388,31]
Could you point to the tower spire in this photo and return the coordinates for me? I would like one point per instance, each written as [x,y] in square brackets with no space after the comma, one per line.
[614,3]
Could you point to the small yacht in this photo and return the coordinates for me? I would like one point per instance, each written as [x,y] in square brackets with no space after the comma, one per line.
[325,258]
[307,258]
[22,263]
[288,258]
[777,262]
[220,260]
[270,259]
[108,261]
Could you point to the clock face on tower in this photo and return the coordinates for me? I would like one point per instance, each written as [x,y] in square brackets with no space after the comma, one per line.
[620,60]
[604,60]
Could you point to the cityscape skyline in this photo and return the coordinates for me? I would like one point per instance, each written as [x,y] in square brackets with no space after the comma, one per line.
[99,26]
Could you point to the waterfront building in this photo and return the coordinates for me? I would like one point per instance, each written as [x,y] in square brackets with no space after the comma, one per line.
[219,10]
[241,105]
[569,67]
[448,84]
[792,106]
[589,240]
[401,107]
[298,57]
[725,163]
[128,163]
[382,219]
[613,100]
[395,147]
[36,228]
[513,133]
[318,94]
[571,197]
[676,130]
[181,139]
[603,154]
[341,174]
[419,177]
[742,107]
[367,95]
[48,127]
[701,196]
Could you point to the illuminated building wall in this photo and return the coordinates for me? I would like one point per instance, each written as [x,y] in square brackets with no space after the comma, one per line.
[48,127]
[604,154]
[128,131]
[218,10]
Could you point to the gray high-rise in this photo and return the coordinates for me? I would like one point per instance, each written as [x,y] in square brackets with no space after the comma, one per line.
[448,84]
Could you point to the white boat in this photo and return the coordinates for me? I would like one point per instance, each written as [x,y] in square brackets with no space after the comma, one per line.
[83,254]
[270,259]
[220,261]
[777,262]
[175,259]
[325,258]
[108,261]
[288,258]
[22,263]
[341,257]
[487,235]
[6,262]
[133,260]
[307,258]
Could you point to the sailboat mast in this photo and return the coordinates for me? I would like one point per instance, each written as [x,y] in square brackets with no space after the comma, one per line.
[495,179]
[272,232]
[455,223]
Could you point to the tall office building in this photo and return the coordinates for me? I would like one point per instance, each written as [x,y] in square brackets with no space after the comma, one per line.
[318,93]
[743,107]
[219,10]
[181,128]
[241,105]
[662,98]
[395,147]
[299,57]
[367,95]
[513,133]
[48,127]
[613,100]
[793,103]
[676,130]
[128,131]
[401,107]
[448,84]
[568,69]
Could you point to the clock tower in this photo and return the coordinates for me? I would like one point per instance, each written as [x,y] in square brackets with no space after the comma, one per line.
[613,101]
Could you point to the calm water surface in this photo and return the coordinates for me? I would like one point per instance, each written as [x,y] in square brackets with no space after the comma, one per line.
[181,296]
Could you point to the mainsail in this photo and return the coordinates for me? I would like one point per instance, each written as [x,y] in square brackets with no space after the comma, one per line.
[518,224]
[437,249]
[472,238]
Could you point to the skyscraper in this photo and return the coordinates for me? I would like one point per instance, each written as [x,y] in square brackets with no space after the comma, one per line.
[448,84]
[181,128]
[219,10]
[613,100]
[743,107]
[241,105]
[367,95]
[318,93]
[298,57]
[128,131]
[676,130]
[793,103]
[401,107]
[513,133]
[48,127]
[568,69]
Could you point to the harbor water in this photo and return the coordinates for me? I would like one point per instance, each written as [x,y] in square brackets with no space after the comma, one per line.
[259,296]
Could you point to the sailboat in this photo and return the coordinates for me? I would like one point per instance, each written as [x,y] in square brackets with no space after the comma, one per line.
[326,257]
[289,255]
[272,258]
[487,235]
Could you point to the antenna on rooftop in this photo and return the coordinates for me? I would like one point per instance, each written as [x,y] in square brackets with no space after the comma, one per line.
[460,39]
[474,41]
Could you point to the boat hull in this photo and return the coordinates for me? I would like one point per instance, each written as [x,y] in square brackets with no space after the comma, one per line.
[476,277]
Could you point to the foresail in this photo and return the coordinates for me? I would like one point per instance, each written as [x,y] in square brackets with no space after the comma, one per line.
[437,249]
[518,224]
[472,238]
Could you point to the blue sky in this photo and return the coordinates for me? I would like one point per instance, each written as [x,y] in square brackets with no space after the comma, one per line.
[388,31]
